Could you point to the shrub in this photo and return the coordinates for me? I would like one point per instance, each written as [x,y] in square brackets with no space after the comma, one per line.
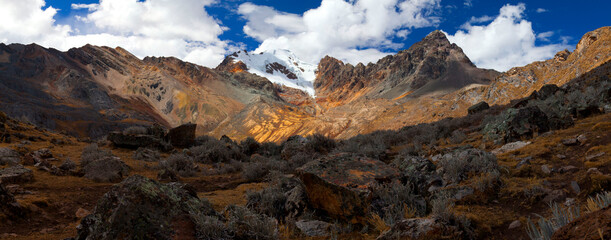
[458,137]
[395,201]
[600,201]
[214,151]
[269,149]
[249,146]
[225,168]
[179,164]
[245,224]
[135,130]
[544,228]
[371,145]
[269,201]
[210,227]
[462,163]
[92,152]
[320,143]
[255,171]
[441,207]
[299,160]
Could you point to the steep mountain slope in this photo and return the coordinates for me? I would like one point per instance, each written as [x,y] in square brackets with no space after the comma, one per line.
[593,50]
[432,65]
[430,81]
[91,90]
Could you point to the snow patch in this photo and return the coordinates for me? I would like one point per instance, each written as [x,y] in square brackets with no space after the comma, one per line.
[261,64]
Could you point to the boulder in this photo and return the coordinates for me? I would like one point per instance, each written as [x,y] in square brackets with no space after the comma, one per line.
[133,141]
[510,147]
[182,136]
[141,208]
[8,156]
[296,201]
[16,174]
[314,228]
[417,170]
[525,123]
[9,206]
[41,157]
[339,184]
[147,155]
[423,228]
[570,142]
[524,161]
[547,91]
[106,169]
[481,106]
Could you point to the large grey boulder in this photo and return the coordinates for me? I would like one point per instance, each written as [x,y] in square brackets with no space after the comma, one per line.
[141,208]
[8,156]
[15,175]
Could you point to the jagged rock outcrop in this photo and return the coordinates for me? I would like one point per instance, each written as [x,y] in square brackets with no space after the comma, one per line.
[9,156]
[182,136]
[140,208]
[431,65]
[339,184]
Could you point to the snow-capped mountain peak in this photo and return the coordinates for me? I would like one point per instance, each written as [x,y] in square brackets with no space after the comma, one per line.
[280,67]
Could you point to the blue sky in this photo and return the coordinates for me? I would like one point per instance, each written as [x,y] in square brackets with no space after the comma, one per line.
[499,34]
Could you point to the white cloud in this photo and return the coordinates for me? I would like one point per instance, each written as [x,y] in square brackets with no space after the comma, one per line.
[180,28]
[541,10]
[544,36]
[477,20]
[89,7]
[352,31]
[468,3]
[508,41]
[28,21]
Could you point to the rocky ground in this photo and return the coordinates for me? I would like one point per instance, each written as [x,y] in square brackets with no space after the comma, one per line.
[490,175]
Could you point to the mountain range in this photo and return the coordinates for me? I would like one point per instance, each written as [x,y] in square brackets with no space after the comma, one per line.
[92,90]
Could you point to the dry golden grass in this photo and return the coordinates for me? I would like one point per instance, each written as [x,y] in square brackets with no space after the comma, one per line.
[222,198]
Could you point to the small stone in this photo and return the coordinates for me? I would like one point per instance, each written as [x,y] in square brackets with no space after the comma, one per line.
[575,187]
[546,169]
[594,156]
[314,228]
[515,224]
[582,138]
[570,142]
[81,213]
[560,156]
[462,193]
[594,171]
[525,161]
[568,169]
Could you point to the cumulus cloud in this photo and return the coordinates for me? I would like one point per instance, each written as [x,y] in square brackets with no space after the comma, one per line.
[508,41]
[352,31]
[180,28]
